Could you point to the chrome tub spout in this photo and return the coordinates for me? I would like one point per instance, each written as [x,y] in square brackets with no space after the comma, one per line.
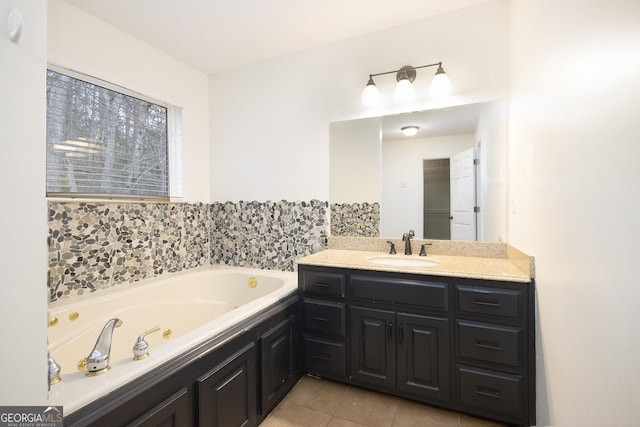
[98,360]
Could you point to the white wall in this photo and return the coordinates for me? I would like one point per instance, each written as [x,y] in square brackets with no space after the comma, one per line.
[270,121]
[354,161]
[491,133]
[402,184]
[84,43]
[23,217]
[574,146]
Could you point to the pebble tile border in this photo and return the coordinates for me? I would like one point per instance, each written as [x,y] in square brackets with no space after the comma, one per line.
[96,245]
[355,219]
[267,235]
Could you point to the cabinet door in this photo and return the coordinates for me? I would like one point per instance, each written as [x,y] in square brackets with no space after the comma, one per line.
[423,356]
[172,412]
[278,354]
[373,346]
[227,393]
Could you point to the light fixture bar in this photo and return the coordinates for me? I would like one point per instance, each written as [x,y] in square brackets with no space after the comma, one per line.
[404,92]
[399,69]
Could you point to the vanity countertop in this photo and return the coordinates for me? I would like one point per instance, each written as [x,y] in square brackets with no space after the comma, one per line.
[447,265]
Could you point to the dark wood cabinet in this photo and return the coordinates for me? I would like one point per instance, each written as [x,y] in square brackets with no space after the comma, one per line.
[423,356]
[400,351]
[278,349]
[324,322]
[226,394]
[234,379]
[373,347]
[172,412]
[458,343]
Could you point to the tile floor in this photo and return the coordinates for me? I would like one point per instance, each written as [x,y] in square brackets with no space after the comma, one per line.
[315,402]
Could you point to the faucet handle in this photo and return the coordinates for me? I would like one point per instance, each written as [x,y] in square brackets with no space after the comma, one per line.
[423,251]
[392,249]
[141,347]
[54,372]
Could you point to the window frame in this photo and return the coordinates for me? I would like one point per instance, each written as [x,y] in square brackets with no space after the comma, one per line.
[173,145]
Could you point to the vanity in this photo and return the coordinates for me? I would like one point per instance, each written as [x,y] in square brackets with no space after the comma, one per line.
[456,332]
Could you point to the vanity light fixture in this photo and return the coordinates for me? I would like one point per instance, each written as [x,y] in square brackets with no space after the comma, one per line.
[409,130]
[404,90]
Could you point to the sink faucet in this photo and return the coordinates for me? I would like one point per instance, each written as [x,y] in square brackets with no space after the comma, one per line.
[98,360]
[406,238]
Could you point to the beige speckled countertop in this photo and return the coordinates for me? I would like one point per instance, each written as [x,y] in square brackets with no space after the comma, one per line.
[447,265]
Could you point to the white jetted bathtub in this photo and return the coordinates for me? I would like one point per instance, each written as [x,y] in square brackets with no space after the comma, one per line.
[188,307]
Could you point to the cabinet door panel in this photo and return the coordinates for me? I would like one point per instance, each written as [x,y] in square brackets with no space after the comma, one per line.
[373,355]
[423,356]
[325,357]
[495,302]
[325,317]
[323,283]
[492,391]
[172,412]
[277,348]
[490,342]
[227,393]
[428,294]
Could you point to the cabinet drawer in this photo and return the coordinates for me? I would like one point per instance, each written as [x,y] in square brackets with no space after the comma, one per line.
[428,294]
[492,391]
[489,343]
[324,316]
[325,356]
[323,283]
[499,302]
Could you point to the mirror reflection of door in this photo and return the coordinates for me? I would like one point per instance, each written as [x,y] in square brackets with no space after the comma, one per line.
[463,196]
[450,197]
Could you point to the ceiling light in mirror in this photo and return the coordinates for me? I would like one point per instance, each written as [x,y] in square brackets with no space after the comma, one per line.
[410,130]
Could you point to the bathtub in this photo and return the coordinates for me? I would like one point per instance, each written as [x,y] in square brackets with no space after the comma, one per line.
[188,307]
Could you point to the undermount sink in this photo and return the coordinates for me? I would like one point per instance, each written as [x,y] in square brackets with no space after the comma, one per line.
[400,261]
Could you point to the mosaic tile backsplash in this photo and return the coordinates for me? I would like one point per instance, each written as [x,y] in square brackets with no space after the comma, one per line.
[268,235]
[355,219]
[94,246]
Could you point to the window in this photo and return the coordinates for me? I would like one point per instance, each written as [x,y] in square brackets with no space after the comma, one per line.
[106,141]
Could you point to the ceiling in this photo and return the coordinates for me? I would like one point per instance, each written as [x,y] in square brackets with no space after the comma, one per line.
[462,119]
[216,35]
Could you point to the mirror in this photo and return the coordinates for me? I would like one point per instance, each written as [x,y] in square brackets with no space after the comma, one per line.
[383,183]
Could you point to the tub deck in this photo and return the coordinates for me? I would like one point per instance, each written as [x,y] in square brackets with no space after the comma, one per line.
[194,306]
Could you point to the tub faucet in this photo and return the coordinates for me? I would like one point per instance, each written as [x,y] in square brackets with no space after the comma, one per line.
[406,238]
[98,360]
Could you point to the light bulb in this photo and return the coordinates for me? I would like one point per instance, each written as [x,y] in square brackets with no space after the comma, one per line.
[370,94]
[440,85]
[404,91]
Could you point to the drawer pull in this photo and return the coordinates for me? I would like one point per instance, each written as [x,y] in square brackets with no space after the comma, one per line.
[488,345]
[488,303]
[320,285]
[494,394]
[320,319]
[322,357]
